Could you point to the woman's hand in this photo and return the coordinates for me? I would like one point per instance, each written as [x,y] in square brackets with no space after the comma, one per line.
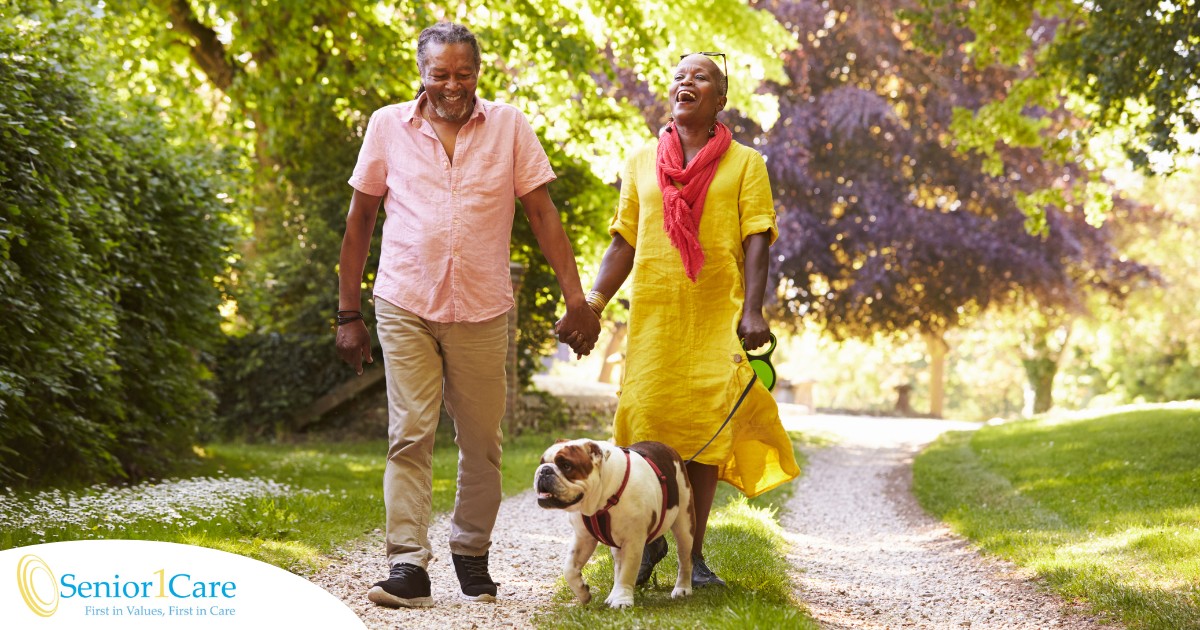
[753,330]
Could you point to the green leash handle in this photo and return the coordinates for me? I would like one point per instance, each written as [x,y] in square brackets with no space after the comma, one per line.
[762,364]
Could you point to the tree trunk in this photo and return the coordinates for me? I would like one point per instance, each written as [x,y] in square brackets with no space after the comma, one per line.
[611,351]
[1041,373]
[1043,349]
[937,347]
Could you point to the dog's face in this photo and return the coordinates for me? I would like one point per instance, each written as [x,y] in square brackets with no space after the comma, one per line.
[566,472]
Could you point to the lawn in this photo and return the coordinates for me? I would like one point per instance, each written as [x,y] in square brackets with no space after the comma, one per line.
[1105,507]
[285,504]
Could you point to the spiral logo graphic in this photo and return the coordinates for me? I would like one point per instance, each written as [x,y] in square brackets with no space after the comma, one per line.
[29,579]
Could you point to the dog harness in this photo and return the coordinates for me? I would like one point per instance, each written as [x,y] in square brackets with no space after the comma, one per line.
[599,525]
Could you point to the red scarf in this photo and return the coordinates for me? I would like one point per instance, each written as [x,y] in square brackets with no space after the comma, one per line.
[682,208]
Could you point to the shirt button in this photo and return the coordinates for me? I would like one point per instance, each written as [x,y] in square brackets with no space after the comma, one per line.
[737,358]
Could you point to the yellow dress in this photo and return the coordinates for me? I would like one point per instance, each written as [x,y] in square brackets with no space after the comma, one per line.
[685,367]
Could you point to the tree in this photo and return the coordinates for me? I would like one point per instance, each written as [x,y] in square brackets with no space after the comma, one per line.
[1123,65]
[113,240]
[885,227]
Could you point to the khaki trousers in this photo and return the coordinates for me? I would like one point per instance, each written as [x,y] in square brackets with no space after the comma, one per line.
[425,363]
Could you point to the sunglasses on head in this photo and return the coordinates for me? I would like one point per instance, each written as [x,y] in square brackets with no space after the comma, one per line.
[724,68]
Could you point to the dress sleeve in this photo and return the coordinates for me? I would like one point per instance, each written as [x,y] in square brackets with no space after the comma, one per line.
[755,205]
[370,173]
[625,221]
[531,167]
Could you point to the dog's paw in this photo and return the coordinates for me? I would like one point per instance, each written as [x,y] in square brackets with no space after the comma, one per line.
[680,592]
[619,600]
[584,594]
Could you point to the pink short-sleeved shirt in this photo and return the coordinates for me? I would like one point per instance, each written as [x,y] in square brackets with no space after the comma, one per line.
[448,224]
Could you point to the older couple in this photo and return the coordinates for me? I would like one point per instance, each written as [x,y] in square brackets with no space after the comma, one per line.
[693,226]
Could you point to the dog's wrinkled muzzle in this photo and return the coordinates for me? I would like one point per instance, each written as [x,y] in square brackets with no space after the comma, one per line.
[546,482]
[547,486]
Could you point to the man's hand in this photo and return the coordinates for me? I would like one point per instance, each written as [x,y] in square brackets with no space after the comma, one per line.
[579,328]
[354,344]
[753,330]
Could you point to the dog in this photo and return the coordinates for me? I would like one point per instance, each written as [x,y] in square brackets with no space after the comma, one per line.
[624,498]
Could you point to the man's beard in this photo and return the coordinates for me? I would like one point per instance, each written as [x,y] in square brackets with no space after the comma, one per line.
[453,112]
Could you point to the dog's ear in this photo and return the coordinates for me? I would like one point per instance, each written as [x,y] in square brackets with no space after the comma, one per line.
[596,452]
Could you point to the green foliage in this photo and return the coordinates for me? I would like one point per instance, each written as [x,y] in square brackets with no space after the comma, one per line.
[291,86]
[1116,64]
[1149,350]
[1103,507]
[112,240]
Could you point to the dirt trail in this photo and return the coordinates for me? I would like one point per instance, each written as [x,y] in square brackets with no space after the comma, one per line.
[868,556]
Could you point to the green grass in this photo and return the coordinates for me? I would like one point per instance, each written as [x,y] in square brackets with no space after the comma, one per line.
[336,495]
[1105,508]
[744,545]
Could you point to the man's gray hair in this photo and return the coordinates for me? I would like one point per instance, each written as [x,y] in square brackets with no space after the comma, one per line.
[445,33]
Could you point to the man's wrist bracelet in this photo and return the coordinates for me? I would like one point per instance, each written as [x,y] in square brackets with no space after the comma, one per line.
[345,317]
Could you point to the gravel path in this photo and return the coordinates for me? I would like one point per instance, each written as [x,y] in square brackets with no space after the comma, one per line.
[866,555]
[526,560]
[870,557]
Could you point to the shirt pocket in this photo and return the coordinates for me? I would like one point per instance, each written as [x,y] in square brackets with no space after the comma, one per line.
[490,175]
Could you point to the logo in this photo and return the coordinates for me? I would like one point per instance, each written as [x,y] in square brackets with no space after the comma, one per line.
[140,584]
[35,580]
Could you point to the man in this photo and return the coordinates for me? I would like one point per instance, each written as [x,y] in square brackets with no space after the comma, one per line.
[449,164]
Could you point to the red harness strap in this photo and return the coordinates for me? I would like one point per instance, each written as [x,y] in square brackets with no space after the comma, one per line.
[599,525]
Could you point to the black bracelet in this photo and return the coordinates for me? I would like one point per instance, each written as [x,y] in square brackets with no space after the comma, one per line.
[353,316]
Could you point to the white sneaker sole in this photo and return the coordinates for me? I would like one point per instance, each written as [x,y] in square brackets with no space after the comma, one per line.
[479,598]
[384,598]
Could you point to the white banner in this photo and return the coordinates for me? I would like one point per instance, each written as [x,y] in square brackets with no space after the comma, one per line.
[144,584]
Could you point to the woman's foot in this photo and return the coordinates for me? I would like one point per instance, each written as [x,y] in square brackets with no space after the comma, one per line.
[654,552]
[702,575]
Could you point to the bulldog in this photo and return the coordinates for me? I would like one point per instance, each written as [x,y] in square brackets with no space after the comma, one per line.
[623,498]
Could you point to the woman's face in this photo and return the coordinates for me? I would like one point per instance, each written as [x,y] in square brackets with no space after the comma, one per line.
[694,93]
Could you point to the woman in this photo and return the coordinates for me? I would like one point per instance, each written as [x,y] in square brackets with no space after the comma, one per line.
[694,224]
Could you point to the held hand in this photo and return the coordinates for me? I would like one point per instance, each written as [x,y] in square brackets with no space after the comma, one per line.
[753,330]
[354,345]
[579,328]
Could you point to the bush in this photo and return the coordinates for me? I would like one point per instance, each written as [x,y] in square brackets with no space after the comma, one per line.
[111,241]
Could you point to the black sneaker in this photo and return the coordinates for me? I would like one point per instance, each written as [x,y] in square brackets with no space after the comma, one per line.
[473,577]
[654,552]
[702,575]
[407,585]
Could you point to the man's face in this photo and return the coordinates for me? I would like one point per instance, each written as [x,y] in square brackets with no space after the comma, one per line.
[450,77]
